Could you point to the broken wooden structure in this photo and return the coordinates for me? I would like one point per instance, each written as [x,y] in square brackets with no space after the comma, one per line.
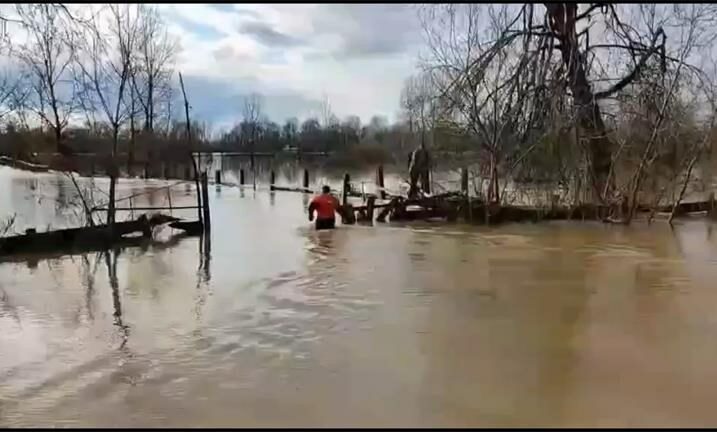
[23,165]
[113,234]
[98,237]
[451,206]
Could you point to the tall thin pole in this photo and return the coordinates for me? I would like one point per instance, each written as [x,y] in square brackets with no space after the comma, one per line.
[191,154]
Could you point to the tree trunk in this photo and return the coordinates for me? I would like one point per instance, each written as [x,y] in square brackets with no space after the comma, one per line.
[59,145]
[493,194]
[562,22]
[111,206]
[113,178]
[150,105]
[130,153]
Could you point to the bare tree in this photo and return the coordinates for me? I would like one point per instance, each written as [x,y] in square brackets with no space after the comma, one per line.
[408,104]
[154,55]
[105,63]
[695,23]
[419,105]
[12,95]
[325,112]
[48,55]
[479,79]
[252,114]
[564,58]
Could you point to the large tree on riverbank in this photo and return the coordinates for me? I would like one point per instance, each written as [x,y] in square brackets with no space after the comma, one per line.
[105,64]
[506,73]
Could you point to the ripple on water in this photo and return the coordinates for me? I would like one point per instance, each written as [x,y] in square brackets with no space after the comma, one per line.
[289,313]
[616,251]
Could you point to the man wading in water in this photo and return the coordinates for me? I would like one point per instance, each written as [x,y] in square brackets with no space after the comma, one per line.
[325,206]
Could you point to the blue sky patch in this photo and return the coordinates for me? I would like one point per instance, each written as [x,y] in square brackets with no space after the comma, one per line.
[205,31]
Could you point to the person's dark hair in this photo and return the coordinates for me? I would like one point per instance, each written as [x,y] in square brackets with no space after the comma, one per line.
[326,189]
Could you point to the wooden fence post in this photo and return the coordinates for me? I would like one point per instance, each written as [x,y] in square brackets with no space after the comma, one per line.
[200,214]
[111,206]
[379,182]
[306,178]
[464,180]
[272,180]
[468,198]
[205,199]
[218,177]
[369,208]
[241,177]
[346,189]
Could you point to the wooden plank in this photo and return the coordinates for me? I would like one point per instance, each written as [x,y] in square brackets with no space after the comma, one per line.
[291,189]
[99,236]
[147,208]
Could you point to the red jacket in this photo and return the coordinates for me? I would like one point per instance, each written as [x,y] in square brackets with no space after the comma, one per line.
[325,206]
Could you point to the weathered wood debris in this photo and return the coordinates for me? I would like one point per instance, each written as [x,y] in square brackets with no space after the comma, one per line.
[452,206]
[23,165]
[91,238]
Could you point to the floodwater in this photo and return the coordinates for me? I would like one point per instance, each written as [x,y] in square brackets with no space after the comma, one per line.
[274,324]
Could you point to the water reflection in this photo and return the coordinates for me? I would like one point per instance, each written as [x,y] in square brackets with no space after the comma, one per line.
[203,277]
[111,262]
[305,200]
[205,245]
[89,271]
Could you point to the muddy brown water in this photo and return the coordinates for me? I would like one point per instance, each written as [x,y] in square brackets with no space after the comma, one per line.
[560,324]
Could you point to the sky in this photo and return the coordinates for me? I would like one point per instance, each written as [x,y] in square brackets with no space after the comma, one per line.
[295,55]
[356,56]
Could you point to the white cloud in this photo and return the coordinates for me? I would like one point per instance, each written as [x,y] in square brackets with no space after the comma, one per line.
[293,54]
[343,52]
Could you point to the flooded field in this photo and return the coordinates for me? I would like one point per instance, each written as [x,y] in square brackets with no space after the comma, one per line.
[561,324]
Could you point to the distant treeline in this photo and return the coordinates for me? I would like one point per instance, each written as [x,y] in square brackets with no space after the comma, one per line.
[348,142]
